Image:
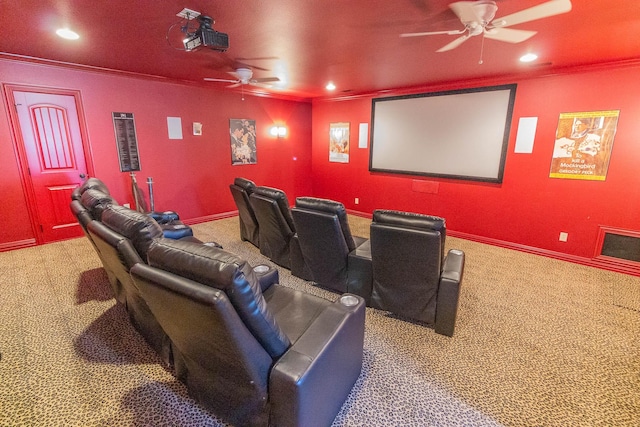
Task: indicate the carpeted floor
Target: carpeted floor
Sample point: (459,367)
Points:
(539,342)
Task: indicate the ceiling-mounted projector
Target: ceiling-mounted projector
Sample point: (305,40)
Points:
(206,36)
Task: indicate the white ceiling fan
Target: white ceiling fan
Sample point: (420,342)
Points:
(244,76)
(478,19)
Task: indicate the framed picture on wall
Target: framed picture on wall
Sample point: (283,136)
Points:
(339,142)
(583,145)
(243,141)
(126,141)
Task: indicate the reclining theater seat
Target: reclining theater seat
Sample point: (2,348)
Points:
(92,182)
(123,238)
(325,239)
(411,277)
(95,202)
(279,357)
(241,189)
(171,226)
(276,226)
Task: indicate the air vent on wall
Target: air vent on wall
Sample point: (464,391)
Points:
(618,246)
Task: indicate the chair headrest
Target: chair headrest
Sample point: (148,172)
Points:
(323,205)
(245,184)
(217,268)
(271,193)
(281,200)
(409,219)
(96,201)
(94,183)
(139,228)
(209,265)
(331,207)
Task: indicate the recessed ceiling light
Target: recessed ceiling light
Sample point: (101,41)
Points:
(330,86)
(66,33)
(529,57)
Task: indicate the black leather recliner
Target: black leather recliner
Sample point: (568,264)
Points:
(100,196)
(84,216)
(123,237)
(241,189)
(96,201)
(276,226)
(325,239)
(91,182)
(279,357)
(411,275)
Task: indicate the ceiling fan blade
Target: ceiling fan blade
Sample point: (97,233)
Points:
(544,10)
(242,62)
(259,84)
(465,11)
(209,79)
(258,58)
(509,35)
(265,80)
(454,44)
(253,67)
(432,33)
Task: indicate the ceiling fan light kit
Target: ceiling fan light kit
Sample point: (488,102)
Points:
(244,76)
(477,17)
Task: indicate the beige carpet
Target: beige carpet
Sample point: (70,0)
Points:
(539,342)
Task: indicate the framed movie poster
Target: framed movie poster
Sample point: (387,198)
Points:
(243,141)
(339,142)
(583,145)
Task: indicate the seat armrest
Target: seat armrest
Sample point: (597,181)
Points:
(311,381)
(359,241)
(360,269)
(266,276)
(299,267)
(449,292)
(196,240)
(128,254)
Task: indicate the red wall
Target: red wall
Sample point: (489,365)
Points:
(191,175)
(528,209)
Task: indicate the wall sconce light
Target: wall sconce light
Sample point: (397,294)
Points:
(279,131)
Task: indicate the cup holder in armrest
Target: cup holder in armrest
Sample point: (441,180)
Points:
(266,275)
(348,300)
(261,269)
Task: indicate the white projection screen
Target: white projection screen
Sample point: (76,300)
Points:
(460,134)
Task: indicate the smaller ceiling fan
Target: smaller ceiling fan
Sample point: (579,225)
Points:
(244,76)
(477,18)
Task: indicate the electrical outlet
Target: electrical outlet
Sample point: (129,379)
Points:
(357,201)
(563,236)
